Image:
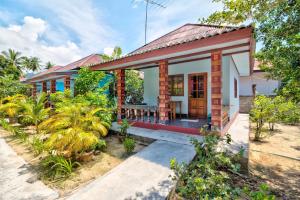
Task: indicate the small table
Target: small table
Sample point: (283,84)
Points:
(175,103)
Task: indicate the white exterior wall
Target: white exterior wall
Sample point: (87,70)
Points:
(151,81)
(234,103)
(263,85)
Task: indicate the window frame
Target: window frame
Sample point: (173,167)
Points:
(171,79)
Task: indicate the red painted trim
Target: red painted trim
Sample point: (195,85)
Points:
(218,39)
(192,131)
(50,76)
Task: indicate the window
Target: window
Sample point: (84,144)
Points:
(235,88)
(176,85)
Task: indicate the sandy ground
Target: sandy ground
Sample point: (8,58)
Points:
(87,172)
(275,159)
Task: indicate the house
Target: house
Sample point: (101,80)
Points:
(59,78)
(256,83)
(191,77)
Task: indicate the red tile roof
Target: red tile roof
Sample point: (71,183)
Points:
(88,60)
(185,33)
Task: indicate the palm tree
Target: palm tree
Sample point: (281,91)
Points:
(117,52)
(35,111)
(74,128)
(13,57)
(31,63)
(48,65)
(11,106)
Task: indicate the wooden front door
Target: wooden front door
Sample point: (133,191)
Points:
(198,95)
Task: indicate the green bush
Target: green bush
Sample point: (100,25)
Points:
(289,112)
(263,193)
(57,167)
(129,145)
(208,175)
(124,127)
(15,131)
(100,145)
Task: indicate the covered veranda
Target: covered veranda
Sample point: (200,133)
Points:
(211,59)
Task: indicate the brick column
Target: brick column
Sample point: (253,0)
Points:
(216,89)
(53,86)
(164,97)
(34,89)
(67,83)
(44,86)
(120,91)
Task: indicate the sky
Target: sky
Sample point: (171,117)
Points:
(63,31)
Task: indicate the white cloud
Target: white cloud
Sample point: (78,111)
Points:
(108,50)
(84,20)
(26,38)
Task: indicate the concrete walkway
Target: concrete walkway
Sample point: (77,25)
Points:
(239,132)
(17,181)
(145,175)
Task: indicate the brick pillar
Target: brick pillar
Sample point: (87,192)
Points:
(44,86)
(53,86)
(34,89)
(120,91)
(216,89)
(67,83)
(164,97)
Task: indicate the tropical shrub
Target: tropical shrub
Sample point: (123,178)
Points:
(15,131)
(9,86)
(262,110)
(100,145)
(87,80)
(123,128)
(134,87)
(289,112)
(34,110)
(37,145)
(129,145)
(11,106)
(57,167)
(74,129)
(263,193)
(208,176)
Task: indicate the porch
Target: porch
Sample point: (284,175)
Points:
(190,66)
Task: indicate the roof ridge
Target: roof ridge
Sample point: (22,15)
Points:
(213,25)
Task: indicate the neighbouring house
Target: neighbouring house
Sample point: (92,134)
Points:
(256,83)
(191,77)
(59,78)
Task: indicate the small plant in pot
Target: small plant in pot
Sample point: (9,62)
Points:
(123,130)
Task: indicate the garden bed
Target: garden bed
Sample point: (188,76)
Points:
(277,159)
(101,163)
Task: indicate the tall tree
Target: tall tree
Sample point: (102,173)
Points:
(13,57)
(31,63)
(49,65)
(278,29)
(117,52)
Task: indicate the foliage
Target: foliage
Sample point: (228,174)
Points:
(37,145)
(87,81)
(57,167)
(74,128)
(9,86)
(49,65)
(129,145)
(208,175)
(117,52)
(262,194)
(273,110)
(35,111)
(278,30)
(11,106)
(123,128)
(100,145)
(14,63)
(134,87)
(16,131)
(31,63)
